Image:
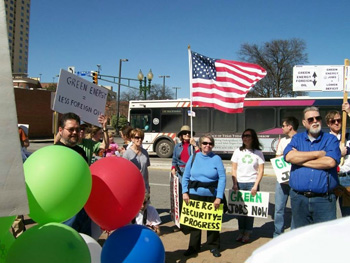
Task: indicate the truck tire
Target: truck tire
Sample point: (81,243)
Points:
(164,148)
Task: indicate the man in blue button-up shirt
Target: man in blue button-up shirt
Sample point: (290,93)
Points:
(314,156)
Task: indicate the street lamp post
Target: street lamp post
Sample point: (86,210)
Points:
(164,76)
(118,99)
(144,87)
(176,88)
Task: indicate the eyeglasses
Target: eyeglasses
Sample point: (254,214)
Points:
(138,138)
(246,135)
(335,120)
(208,143)
(313,119)
(71,130)
(187,133)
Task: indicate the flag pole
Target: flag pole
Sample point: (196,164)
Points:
(190,73)
(345,99)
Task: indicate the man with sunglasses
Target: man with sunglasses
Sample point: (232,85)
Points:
(314,156)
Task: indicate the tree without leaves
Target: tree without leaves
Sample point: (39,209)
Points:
(278,58)
(155,94)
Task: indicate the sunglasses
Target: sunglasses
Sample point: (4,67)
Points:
(208,143)
(312,119)
(71,130)
(246,135)
(138,138)
(335,120)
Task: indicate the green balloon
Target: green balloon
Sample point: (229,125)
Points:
(58,183)
(53,242)
(5,243)
(5,224)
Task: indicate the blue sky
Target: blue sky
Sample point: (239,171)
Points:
(155,34)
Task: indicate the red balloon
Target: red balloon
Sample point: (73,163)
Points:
(117,194)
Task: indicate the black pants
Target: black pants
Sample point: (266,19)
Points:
(213,237)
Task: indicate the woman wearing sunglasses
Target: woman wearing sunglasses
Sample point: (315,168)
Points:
(139,156)
(181,154)
(204,179)
(247,171)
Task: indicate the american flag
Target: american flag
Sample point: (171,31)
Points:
(222,84)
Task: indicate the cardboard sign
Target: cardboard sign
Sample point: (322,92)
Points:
(243,203)
(281,168)
(75,94)
(318,78)
(201,215)
(174,200)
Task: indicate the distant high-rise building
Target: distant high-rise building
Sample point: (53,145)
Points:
(17,15)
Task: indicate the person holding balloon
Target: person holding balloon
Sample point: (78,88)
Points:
(139,156)
(68,130)
(204,179)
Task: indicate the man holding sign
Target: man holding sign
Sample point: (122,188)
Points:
(314,156)
(289,127)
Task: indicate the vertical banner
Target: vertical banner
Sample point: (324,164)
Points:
(201,215)
(243,203)
(174,200)
(281,168)
(13,195)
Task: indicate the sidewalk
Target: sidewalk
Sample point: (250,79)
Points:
(176,243)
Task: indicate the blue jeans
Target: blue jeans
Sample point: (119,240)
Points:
(81,222)
(281,198)
(307,211)
(345,210)
(245,223)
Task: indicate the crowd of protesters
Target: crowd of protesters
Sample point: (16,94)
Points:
(319,176)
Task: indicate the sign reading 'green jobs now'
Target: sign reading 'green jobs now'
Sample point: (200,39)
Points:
(245,204)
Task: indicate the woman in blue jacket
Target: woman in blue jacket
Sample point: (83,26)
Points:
(204,179)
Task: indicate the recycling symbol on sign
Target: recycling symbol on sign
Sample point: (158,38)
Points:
(247,159)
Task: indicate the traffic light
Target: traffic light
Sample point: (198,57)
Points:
(95,77)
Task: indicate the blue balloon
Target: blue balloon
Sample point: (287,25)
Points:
(133,243)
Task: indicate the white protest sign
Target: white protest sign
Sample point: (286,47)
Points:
(174,200)
(75,94)
(243,203)
(281,168)
(13,194)
(318,78)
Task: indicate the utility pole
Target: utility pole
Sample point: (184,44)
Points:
(164,76)
(176,88)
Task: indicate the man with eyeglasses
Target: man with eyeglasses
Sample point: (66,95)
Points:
(289,128)
(314,156)
(69,129)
